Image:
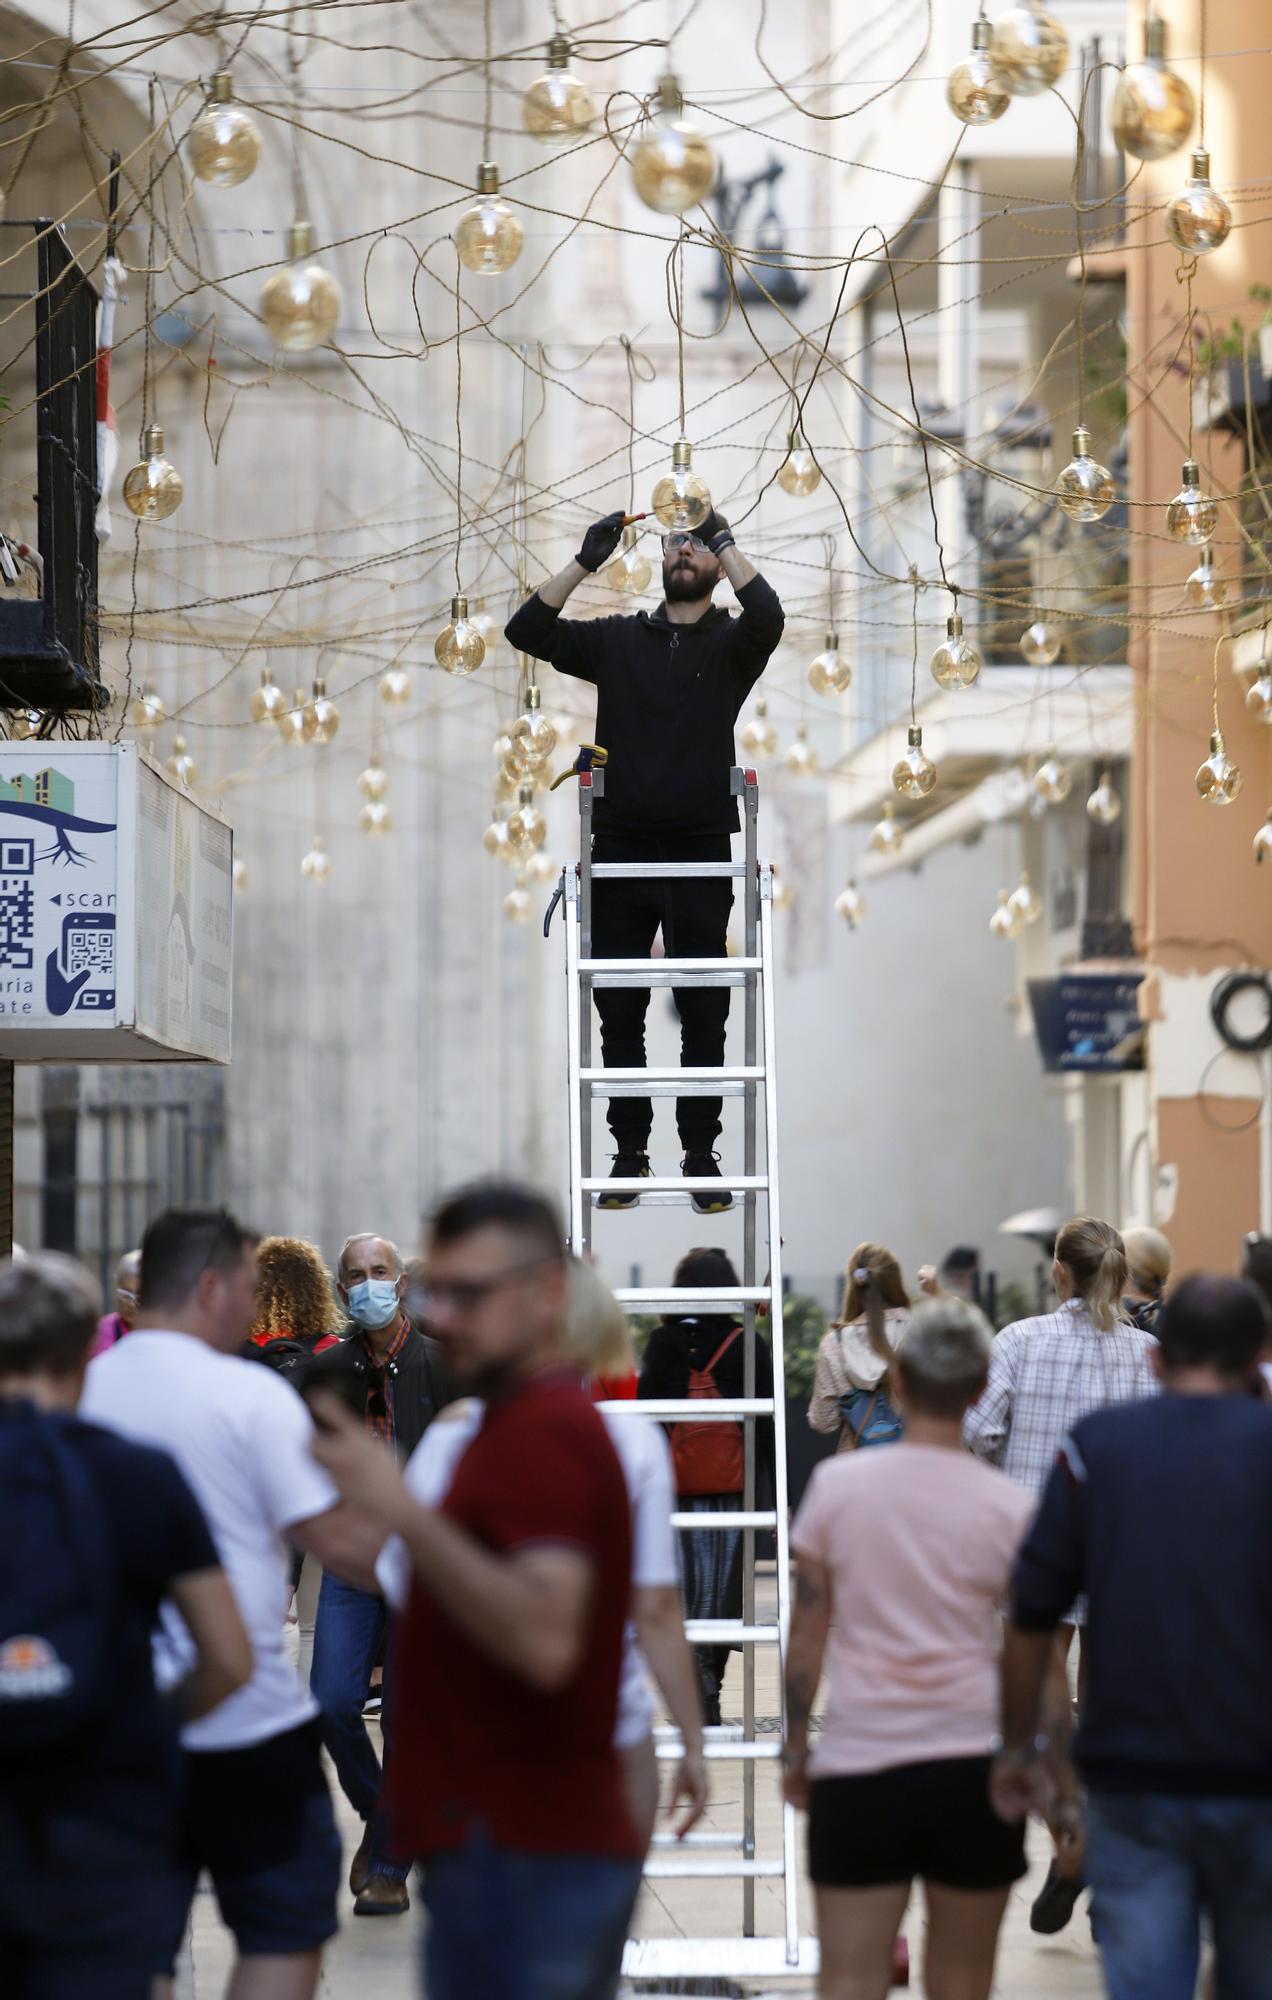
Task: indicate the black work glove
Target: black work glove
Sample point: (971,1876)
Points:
(600,542)
(716,532)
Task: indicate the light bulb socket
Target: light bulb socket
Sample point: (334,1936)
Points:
(682,454)
(1154,38)
(1082,442)
(178,746)
(222,91)
(1192,472)
(793,440)
(1216,743)
(982,33)
(629,537)
(459,608)
(320,688)
(914,737)
(832,642)
(487,178)
(526,795)
(558,53)
(761,708)
(534,700)
(1201,164)
(153,441)
(954,625)
(670,95)
(302,238)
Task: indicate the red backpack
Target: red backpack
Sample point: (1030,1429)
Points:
(708,1457)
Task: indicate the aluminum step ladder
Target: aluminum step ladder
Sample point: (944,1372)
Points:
(704,1855)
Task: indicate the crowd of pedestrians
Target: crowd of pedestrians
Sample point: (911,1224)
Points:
(408,1460)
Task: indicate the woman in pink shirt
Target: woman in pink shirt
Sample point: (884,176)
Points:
(903,1558)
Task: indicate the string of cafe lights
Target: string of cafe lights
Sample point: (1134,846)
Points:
(662,143)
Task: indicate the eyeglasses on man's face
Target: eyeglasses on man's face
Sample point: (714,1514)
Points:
(678,543)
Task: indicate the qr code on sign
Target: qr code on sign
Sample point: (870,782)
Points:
(89,950)
(17,904)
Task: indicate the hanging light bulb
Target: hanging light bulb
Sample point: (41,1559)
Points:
(630,571)
(850,904)
(541,868)
(375,817)
(1152,107)
(1005,922)
(1028,50)
(24,723)
(829,672)
(268,700)
(291,723)
(300,304)
(801,759)
(557,105)
(146,710)
(373,783)
(1104,806)
(321,718)
(1218,779)
(495,839)
(181,763)
(886,836)
(759,737)
(532,738)
(914,775)
(1198,219)
(1259,695)
(975,93)
(1085,488)
(316,865)
(527,828)
(518,903)
(488,236)
(800,474)
(1207,586)
(681,500)
(153,489)
(673,165)
(395,687)
(1040,644)
(956,662)
(1052,781)
(459,647)
(238,874)
(1025,900)
(1192,515)
(1263,839)
(223,143)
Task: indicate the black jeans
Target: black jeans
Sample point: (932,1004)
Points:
(694,916)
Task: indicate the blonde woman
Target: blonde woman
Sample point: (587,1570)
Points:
(1148,1262)
(850,1385)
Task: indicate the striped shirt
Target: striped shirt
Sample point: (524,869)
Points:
(1045,1375)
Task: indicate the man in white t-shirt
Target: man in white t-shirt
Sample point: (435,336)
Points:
(256,1812)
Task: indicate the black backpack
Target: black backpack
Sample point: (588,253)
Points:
(57,1585)
(287,1357)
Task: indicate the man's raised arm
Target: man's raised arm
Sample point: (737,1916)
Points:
(535,627)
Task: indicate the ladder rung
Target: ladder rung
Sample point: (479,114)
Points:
(726,1082)
(708,1409)
(708,1867)
(665,1200)
(729,1632)
(766,1752)
(623,972)
(664,871)
(693,1298)
(690,1840)
(696,1521)
(674,1183)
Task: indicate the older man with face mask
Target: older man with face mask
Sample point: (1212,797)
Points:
(392,1377)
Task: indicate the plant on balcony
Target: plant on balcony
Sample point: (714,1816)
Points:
(1235,363)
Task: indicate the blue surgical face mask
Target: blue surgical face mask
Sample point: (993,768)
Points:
(373,1302)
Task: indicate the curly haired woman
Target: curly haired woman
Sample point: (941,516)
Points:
(296,1310)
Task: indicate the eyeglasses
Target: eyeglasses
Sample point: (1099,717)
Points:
(673,543)
(464,1295)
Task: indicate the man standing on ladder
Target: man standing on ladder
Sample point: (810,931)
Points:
(669,686)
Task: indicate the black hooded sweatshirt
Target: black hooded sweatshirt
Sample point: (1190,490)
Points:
(667,699)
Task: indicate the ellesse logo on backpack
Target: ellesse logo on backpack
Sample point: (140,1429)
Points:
(30,1670)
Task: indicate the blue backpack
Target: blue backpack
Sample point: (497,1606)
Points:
(56,1586)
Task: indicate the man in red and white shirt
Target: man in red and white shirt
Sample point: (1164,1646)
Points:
(505,1782)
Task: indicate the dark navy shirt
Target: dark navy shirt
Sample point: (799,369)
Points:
(1161,1512)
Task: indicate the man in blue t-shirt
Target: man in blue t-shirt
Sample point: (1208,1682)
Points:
(1159,1512)
(87,1822)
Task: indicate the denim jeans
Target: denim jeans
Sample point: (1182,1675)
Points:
(1155,1864)
(348,1632)
(512,1926)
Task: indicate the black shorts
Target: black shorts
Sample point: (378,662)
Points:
(929,1820)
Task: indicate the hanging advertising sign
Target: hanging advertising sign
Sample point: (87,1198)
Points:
(115,910)
(1089,1022)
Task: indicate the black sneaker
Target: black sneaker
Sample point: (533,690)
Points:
(696,1167)
(1054,1904)
(626,1167)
